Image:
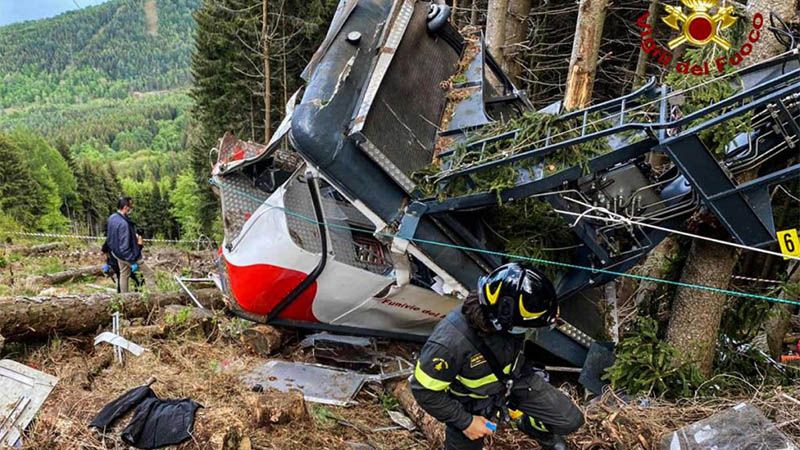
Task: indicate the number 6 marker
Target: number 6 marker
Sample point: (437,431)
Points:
(789,243)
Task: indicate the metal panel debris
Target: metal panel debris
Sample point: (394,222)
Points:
(23,390)
(318,383)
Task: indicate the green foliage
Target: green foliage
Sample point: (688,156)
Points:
(186,204)
(389,402)
(646,364)
(322,416)
(747,366)
(743,318)
(75,57)
(179,318)
(21,198)
(529,227)
(97,123)
(227,67)
(703,94)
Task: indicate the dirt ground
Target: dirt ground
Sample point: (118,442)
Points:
(207,367)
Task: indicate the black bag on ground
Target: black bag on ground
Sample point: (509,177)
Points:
(156,423)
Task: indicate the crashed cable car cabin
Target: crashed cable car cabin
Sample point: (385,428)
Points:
(326,228)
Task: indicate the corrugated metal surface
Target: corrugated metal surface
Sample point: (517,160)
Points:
(402,121)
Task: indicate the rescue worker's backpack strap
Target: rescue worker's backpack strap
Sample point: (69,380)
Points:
(483,349)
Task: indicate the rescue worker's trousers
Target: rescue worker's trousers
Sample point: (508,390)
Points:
(125,274)
(546,410)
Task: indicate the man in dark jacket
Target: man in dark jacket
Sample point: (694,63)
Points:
(455,381)
(126,245)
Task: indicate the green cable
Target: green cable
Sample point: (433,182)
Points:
(520,257)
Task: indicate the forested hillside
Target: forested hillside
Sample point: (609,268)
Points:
(94,105)
(105,51)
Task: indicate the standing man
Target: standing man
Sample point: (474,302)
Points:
(126,245)
(472,372)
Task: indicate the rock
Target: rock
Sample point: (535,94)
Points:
(274,407)
(263,340)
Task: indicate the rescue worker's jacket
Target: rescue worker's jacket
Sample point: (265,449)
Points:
(452,373)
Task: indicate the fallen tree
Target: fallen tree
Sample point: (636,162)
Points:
(37,317)
(67,275)
(432,428)
(35,249)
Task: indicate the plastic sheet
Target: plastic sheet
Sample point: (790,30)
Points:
(742,427)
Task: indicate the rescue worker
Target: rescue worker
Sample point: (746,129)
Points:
(456,377)
(126,244)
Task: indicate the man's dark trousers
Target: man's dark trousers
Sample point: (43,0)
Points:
(537,399)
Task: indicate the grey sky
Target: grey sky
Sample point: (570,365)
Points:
(12,11)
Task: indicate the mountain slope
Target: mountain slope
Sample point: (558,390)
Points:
(105,51)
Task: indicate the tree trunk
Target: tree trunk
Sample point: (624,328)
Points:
(35,249)
(694,325)
(38,317)
(641,63)
(585,50)
(432,428)
(516,35)
(267,78)
(496,15)
(696,314)
(768,46)
(777,325)
(65,276)
(656,265)
(473,14)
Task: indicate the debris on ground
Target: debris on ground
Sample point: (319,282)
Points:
(742,426)
(23,390)
(208,356)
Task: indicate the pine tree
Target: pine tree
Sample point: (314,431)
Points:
(20,196)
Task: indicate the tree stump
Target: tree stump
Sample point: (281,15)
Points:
(263,340)
(274,407)
(191,320)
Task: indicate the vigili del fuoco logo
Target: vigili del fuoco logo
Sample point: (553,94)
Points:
(702,23)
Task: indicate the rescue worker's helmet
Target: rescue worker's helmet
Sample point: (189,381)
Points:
(514,296)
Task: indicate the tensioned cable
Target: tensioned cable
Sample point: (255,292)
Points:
(312,220)
(618,218)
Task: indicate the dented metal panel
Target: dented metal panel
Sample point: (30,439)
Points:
(23,390)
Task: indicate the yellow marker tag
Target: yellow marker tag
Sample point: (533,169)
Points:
(789,242)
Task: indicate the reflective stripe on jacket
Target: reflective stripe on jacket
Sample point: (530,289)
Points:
(451,371)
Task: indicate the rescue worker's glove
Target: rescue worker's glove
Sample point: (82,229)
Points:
(106,269)
(134,267)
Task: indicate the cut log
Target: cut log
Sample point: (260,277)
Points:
(65,276)
(263,340)
(432,428)
(274,407)
(38,317)
(36,249)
